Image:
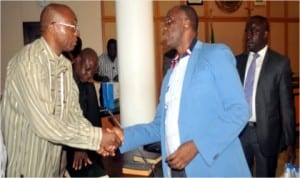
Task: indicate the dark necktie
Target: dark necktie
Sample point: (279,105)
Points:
(249,82)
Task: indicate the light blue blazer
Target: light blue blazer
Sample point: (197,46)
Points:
(213,111)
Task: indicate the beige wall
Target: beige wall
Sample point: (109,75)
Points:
(13,13)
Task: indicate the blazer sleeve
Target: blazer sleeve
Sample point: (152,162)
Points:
(286,103)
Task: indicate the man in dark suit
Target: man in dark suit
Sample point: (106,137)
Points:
(271,124)
(80,162)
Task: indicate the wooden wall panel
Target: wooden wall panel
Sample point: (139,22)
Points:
(109,9)
(109,31)
(277,37)
(241,12)
(293,9)
(259,9)
(293,46)
(164,6)
(224,33)
(276,9)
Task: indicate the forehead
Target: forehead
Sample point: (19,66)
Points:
(255,22)
(66,15)
(89,58)
(174,12)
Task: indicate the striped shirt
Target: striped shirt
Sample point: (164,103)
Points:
(107,67)
(40,111)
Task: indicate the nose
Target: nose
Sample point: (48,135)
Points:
(248,35)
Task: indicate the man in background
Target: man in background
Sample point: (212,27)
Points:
(80,162)
(40,111)
(108,64)
(266,76)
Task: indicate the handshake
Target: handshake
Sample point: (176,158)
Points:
(111,139)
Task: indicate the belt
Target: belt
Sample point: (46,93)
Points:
(252,124)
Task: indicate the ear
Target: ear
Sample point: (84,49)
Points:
(186,23)
(266,34)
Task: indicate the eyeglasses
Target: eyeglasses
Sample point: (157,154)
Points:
(74,28)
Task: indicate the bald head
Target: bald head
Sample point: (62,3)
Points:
(190,14)
(86,65)
(59,27)
(52,13)
(89,54)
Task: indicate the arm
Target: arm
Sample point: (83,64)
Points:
(37,101)
(230,106)
(287,109)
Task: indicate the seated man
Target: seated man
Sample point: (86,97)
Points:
(85,163)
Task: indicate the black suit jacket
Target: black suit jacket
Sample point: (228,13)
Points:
(275,114)
(91,110)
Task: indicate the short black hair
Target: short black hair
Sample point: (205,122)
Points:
(191,14)
(262,20)
(111,41)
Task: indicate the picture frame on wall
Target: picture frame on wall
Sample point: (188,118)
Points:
(260,2)
(194,2)
(31,31)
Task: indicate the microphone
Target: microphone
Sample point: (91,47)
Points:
(113,120)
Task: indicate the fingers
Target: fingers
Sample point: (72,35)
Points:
(80,159)
(88,161)
(105,152)
(118,131)
(180,158)
(111,140)
(116,135)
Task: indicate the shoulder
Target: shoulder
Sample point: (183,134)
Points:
(242,55)
(208,49)
(103,56)
(215,53)
(276,55)
(30,54)
(276,59)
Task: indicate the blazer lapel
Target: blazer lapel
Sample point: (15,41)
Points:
(241,65)
(266,66)
(190,66)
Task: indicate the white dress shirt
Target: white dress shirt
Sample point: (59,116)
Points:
(172,100)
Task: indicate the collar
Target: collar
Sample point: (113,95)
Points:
(187,52)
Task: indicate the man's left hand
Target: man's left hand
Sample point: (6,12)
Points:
(81,159)
(180,158)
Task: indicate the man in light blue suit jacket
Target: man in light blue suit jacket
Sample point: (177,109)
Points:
(207,111)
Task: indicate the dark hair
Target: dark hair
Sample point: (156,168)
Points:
(111,41)
(262,20)
(191,14)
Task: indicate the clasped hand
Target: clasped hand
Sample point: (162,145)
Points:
(111,140)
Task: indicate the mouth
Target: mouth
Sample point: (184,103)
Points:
(250,44)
